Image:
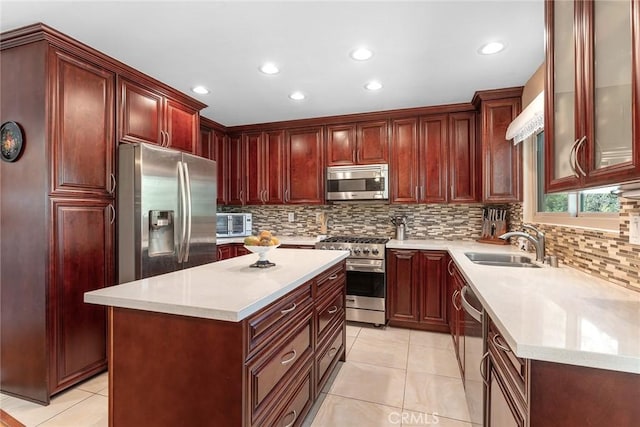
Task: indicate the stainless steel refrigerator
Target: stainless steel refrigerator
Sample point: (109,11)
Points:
(166,211)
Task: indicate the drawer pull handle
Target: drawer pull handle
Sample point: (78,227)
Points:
(483,368)
(295,417)
(289,360)
(334,350)
(453,300)
(333,277)
(333,309)
(499,345)
(449,267)
(288,310)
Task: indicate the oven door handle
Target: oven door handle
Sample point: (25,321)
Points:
(477,315)
(365,268)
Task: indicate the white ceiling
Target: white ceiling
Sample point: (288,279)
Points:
(425,52)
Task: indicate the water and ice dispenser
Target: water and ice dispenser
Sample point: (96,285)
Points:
(161,233)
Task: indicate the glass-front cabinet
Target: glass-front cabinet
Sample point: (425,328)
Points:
(592,97)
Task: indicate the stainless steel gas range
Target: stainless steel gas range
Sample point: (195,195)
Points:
(366,276)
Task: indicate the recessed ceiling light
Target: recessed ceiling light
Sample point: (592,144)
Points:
(373,85)
(269,68)
(200,90)
(361,54)
(297,96)
(491,48)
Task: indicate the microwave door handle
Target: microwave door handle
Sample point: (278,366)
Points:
(183,211)
(188,205)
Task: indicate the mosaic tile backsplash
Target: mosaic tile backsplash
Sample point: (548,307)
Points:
(605,255)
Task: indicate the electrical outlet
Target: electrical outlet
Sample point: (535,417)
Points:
(634,229)
(291,217)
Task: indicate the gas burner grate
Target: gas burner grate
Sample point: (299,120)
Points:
(351,239)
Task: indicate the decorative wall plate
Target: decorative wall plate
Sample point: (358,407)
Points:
(10,141)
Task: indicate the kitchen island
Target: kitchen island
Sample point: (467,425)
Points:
(225,344)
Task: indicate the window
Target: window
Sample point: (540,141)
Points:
(593,208)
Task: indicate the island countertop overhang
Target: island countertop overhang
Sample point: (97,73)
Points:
(226,290)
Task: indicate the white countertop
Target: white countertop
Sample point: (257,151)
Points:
(224,290)
(552,314)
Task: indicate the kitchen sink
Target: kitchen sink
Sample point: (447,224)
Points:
(501,260)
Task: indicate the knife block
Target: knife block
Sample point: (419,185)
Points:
(494,224)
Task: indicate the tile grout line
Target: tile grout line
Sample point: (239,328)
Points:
(65,410)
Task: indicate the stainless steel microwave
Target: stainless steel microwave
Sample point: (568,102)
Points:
(362,182)
(233,224)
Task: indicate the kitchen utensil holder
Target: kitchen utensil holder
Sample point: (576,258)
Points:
(494,224)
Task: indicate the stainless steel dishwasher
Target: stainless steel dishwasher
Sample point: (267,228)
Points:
(473,352)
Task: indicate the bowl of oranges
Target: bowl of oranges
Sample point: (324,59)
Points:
(261,244)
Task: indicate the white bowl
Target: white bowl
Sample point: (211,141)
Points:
(261,250)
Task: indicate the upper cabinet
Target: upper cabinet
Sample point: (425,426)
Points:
(214,145)
(304,166)
(501,159)
(358,144)
(146,115)
(592,113)
(264,167)
(433,159)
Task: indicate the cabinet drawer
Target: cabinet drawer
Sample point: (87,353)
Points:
(298,403)
(511,367)
(325,280)
(329,310)
(328,357)
(267,373)
(267,323)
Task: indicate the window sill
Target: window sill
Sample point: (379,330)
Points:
(605,223)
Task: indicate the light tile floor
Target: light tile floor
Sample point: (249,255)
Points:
(392,377)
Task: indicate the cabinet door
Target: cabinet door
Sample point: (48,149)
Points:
(341,145)
(402,285)
(253,167)
(463,177)
(236,171)
(404,161)
(433,286)
(141,114)
(434,159)
(224,252)
(82,253)
(372,143)
(83,113)
(273,159)
(501,159)
(500,409)
(206,143)
(611,154)
(304,160)
(220,151)
(182,126)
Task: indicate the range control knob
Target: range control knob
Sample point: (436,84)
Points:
(375,251)
(356,251)
(365,250)
(332,248)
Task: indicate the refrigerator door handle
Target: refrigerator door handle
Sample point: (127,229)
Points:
(188,206)
(183,211)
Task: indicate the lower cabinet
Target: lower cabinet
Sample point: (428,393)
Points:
(532,393)
(230,250)
(266,370)
(456,312)
(417,285)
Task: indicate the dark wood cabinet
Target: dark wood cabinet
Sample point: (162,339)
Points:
(146,115)
(433,159)
(230,250)
(417,286)
(57,212)
(266,370)
(83,143)
(358,144)
(264,167)
(456,312)
(214,145)
(304,166)
(83,260)
(501,159)
(463,168)
(405,166)
(237,176)
(592,117)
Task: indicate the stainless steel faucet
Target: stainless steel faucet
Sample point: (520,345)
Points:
(538,240)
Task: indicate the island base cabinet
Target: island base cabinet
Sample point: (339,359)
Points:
(170,370)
